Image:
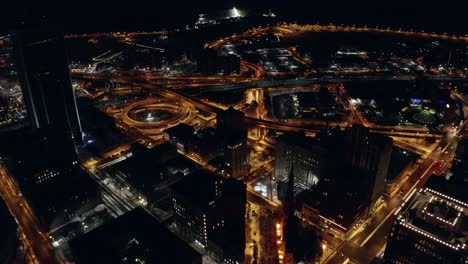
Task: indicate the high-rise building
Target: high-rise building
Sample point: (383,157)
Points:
(349,168)
(308,155)
(50,176)
(44,75)
(236,158)
(301,243)
(232,131)
(430,228)
(210,210)
(369,154)
(44,158)
(230,123)
(229,242)
(148,170)
(183,136)
(338,204)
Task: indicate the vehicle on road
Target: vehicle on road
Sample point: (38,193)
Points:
(439,165)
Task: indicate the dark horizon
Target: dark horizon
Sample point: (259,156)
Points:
(89,16)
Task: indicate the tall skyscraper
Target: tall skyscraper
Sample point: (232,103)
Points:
(369,154)
(430,228)
(300,242)
(236,158)
(230,123)
(44,75)
(232,131)
(44,157)
(210,210)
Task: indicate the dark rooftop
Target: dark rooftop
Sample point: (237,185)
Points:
(160,154)
(149,167)
(340,204)
(182,131)
(198,187)
(342,198)
(135,237)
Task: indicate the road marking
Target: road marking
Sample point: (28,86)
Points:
(346,261)
(377,228)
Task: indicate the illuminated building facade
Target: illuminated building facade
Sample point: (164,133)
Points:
(430,228)
(236,159)
(308,157)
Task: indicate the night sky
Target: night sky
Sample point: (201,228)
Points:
(104,15)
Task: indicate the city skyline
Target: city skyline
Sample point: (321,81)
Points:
(234,133)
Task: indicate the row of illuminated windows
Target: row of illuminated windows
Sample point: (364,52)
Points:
(45,175)
(425,250)
(426,243)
